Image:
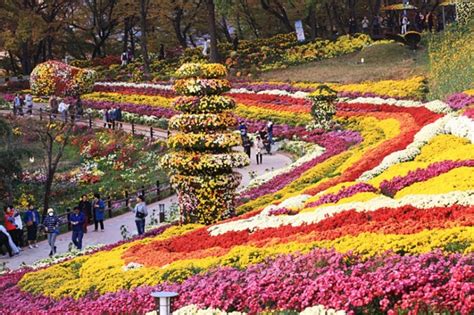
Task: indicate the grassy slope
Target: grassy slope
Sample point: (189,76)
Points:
(388,61)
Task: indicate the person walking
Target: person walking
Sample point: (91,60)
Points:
(247,144)
(53,106)
(124,59)
(77,220)
(270,131)
(32,219)
(404,23)
(118,116)
(105,117)
(7,242)
(11,225)
(112,118)
(63,109)
(99,212)
(51,226)
(258,149)
(29,104)
(16,104)
(365,25)
(86,208)
(141,212)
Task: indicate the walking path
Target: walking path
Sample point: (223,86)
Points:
(112,226)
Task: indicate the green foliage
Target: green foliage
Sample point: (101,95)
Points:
(451,60)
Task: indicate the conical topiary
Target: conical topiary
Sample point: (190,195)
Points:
(201,158)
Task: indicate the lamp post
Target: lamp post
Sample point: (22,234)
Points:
(163,301)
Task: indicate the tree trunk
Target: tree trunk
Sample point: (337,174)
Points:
(214,56)
(126,31)
(312,23)
(144,39)
(279,13)
(25,59)
(225,30)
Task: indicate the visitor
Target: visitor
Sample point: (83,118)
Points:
(32,219)
(130,56)
(430,21)
(270,131)
(17,105)
(352,26)
(112,118)
(118,116)
(124,59)
(105,116)
(243,130)
(99,212)
(29,104)
(376,25)
(85,206)
(79,108)
(235,43)
(51,227)
(63,109)
(141,212)
(77,220)
(247,144)
(53,106)
(419,22)
(7,242)
(161,55)
(404,23)
(365,25)
(259,146)
(12,218)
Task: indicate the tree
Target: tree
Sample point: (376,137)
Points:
(144,6)
(211,11)
(10,155)
(276,8)
(53,137)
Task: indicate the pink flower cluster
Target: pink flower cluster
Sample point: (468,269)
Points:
(343,193)
(459,100)
(283,211)
(430,282)
(392,186)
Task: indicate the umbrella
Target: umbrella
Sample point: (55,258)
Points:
(399,7)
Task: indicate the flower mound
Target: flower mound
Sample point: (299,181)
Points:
(202,159)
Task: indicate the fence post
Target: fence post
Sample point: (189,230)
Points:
(162,212)
(133,128)
(41,113)
(151,132)
(109,205)
(90,121)
(168,133)
(126,198)
(158,189)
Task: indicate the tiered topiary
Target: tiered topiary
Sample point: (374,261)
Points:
(201,158)
(323,108)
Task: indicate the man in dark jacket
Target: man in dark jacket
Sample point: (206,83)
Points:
(77,220)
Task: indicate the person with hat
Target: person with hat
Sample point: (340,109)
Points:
(51,226)
(77,220)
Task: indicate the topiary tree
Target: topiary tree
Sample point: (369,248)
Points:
(201,160)
(60,79)
(323,108)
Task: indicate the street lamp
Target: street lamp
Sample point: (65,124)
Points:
(163,301)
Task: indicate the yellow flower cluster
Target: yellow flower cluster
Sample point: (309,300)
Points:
(206,70)
(204,141)
(138,99)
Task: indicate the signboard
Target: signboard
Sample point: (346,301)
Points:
(299,31)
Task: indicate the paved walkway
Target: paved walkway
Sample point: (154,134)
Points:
(112,226)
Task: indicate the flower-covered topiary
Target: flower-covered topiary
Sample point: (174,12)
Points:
(323,108)
(57,78)
(201,158)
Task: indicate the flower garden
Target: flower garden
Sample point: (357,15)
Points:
(376,217)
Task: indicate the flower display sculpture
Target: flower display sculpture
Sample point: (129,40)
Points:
(201,160)
(57,78)
(323,108)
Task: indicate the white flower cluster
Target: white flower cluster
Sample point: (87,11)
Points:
(293,203)
(195,310)
(131,266)
(315,152)
(136,85)
(434,106)
(460,126)
(262,221)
